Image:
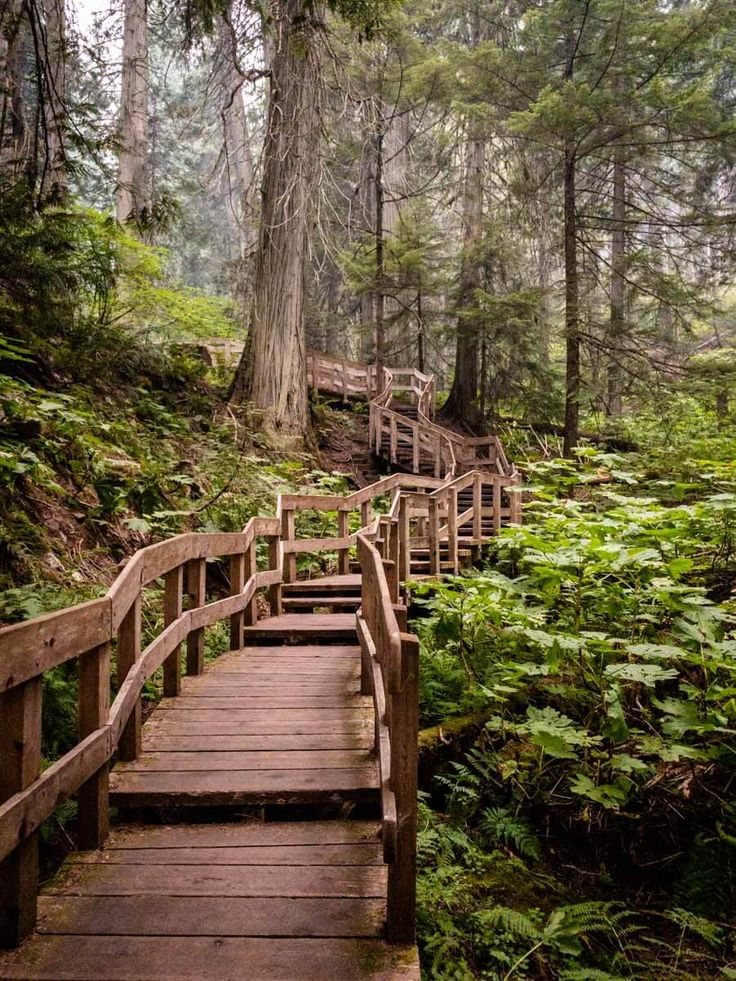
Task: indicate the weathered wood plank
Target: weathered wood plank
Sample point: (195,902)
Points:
(71,958)
(244,833)
(232,761)
(210,916)
(241,786)
(222,880)
(280,854)
(188,743)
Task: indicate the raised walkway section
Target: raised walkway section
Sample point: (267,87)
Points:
(266,824)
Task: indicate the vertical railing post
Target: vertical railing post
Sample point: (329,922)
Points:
(394,439)
(477,509)
(93,812)
(250,613)
(20,765)
(401,904)
(196,593)
(173,584)
(274,592)
(434,537)
(127,653)
(452,529)
(497,497)
(515,517)
(392,531)
(404,550)
(237,581)
(343,554)
(415,449)
(288,532)
(437,456)
(365,514)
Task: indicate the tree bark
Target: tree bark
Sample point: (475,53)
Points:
(572,317)
(236,137)
(379,331)
(272,372)
(617,324)
(54,182)
(462,402)
(14,143)
(133,202)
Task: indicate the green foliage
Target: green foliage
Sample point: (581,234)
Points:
(593,645)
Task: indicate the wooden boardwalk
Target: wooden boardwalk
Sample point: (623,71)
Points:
(267,808)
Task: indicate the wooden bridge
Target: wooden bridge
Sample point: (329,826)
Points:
(267,807)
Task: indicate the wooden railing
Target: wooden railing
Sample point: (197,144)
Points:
(88,633)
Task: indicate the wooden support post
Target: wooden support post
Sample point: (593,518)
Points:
(343,555)
(496,507)
(477,509)
(365,514)
(516,515)
(394,437)
(237,581)
(173,584)
(20,765)
(404,552)
(287,535)
(128,652)
(93,811)
(452,529)
(401,905)
(196,591)
(250,614)
(415,449)
(434,538)
(274,592)
(379,432)
(392,531)
(438,457)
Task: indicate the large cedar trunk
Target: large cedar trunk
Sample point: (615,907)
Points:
(572,314)
(132,194)
(462,402)
(236,138)
(272,371)
(54,172)
(14,142)
(617,326)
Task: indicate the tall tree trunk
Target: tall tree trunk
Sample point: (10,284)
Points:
(617,325)
(133,203)
(572,315)
(379,332)
(462,402)
(237,142)
(54,181)
(272,372)
(14,141)
(366,227)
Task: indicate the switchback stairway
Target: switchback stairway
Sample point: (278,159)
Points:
(266,810)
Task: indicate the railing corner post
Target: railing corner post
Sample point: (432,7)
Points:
(93,816)
(401,905)
(20,765)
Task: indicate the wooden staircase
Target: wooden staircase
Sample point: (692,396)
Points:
(267,807)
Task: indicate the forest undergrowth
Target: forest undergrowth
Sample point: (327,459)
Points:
(580,824)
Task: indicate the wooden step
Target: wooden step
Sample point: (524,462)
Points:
(314,600)
(323,627)
(344,585)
